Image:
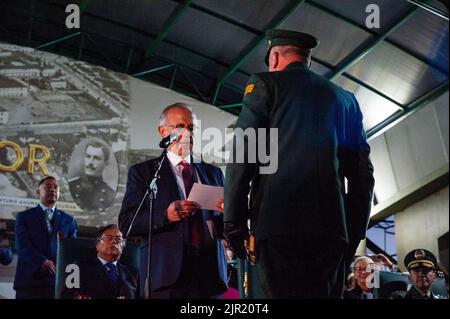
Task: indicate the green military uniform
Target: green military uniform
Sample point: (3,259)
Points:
(301,216)
(418,258)
(413,293)
(91,193)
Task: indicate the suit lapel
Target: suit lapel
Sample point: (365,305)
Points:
(201,173)
(41,218)
(101,271)
(122,280)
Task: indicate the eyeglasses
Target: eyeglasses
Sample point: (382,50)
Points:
(364,269)
(108,239)
(190,128)
(360,269)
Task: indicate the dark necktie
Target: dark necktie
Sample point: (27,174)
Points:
(48,219)
(112,272)
(195,221)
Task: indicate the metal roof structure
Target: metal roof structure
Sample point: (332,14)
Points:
(207,49)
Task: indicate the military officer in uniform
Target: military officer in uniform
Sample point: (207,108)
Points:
(422,266)
(89,190)
(305,223)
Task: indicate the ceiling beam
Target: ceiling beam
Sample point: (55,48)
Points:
(168,25)
(368,46)
(224,18)
(430,8)
(326,64)
(84,5)
(62,39)
(192,84)
(360,82)
(423,59)
(152,70)
(31,19)
(251,48)
(411,108)
(378,250)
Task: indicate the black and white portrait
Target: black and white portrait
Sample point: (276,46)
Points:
(93,175)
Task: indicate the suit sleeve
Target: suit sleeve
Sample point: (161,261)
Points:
(254,114)
(359,173)
(130,203)
(73,229)
(217,216)
(25,247)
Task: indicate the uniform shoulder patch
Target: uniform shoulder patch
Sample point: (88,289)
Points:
(249,89)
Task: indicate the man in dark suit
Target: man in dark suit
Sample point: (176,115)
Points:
(304,220)
(37,230)
(187,256)
(104,277)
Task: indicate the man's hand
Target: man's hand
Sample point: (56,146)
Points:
(48,267)
(82,297)
(235,236)
(180,209)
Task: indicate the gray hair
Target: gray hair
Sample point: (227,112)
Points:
(163,116)
(366,259)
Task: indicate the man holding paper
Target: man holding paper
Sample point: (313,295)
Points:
(187,256)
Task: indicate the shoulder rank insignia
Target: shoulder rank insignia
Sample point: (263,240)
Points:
(249,89)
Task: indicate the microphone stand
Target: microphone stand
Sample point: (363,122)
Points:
(151,192)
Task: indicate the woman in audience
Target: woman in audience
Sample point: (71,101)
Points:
(362,269)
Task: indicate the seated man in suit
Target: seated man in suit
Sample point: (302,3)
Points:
(187,255)
(104,277)
(37,230)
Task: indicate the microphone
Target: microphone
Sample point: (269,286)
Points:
(169,139)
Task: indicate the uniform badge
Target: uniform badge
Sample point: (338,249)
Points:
(249,89)
(419,254)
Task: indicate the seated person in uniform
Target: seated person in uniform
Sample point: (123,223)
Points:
(422,268)
(89,190)
(104,277)
(362,269)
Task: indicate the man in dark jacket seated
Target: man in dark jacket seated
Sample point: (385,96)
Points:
(104,277)
(422,266)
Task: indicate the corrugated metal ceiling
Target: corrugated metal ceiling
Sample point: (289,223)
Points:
(211,47)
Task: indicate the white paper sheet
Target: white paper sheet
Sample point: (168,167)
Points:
(206,196)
